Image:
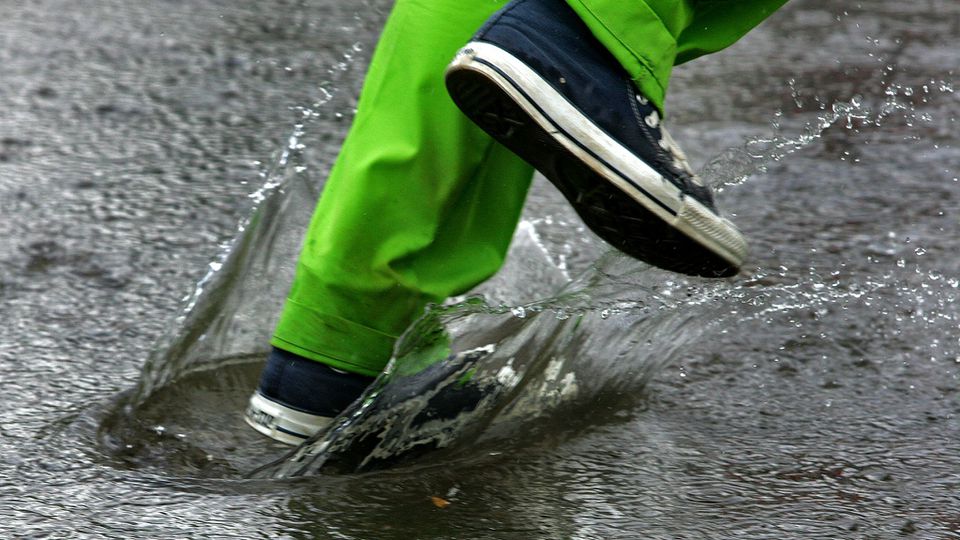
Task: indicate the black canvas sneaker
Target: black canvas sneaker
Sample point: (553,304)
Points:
(298,397)
(540,83)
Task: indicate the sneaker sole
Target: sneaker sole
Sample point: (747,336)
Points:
(655,222)
(282,423)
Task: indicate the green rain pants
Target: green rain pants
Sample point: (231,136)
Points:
(421,204)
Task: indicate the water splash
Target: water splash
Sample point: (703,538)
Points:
(858,113)
(233,308)
(599,334)
(506,368)
(602,338)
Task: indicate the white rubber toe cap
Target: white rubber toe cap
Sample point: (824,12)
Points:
(282,423)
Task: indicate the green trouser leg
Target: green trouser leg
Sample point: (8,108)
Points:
(649,37)
(421,204)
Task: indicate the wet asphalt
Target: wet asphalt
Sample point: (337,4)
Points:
(132,133)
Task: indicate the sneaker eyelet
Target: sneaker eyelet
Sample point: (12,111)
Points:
(653,120)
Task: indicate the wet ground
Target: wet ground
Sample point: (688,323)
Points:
(813,396)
